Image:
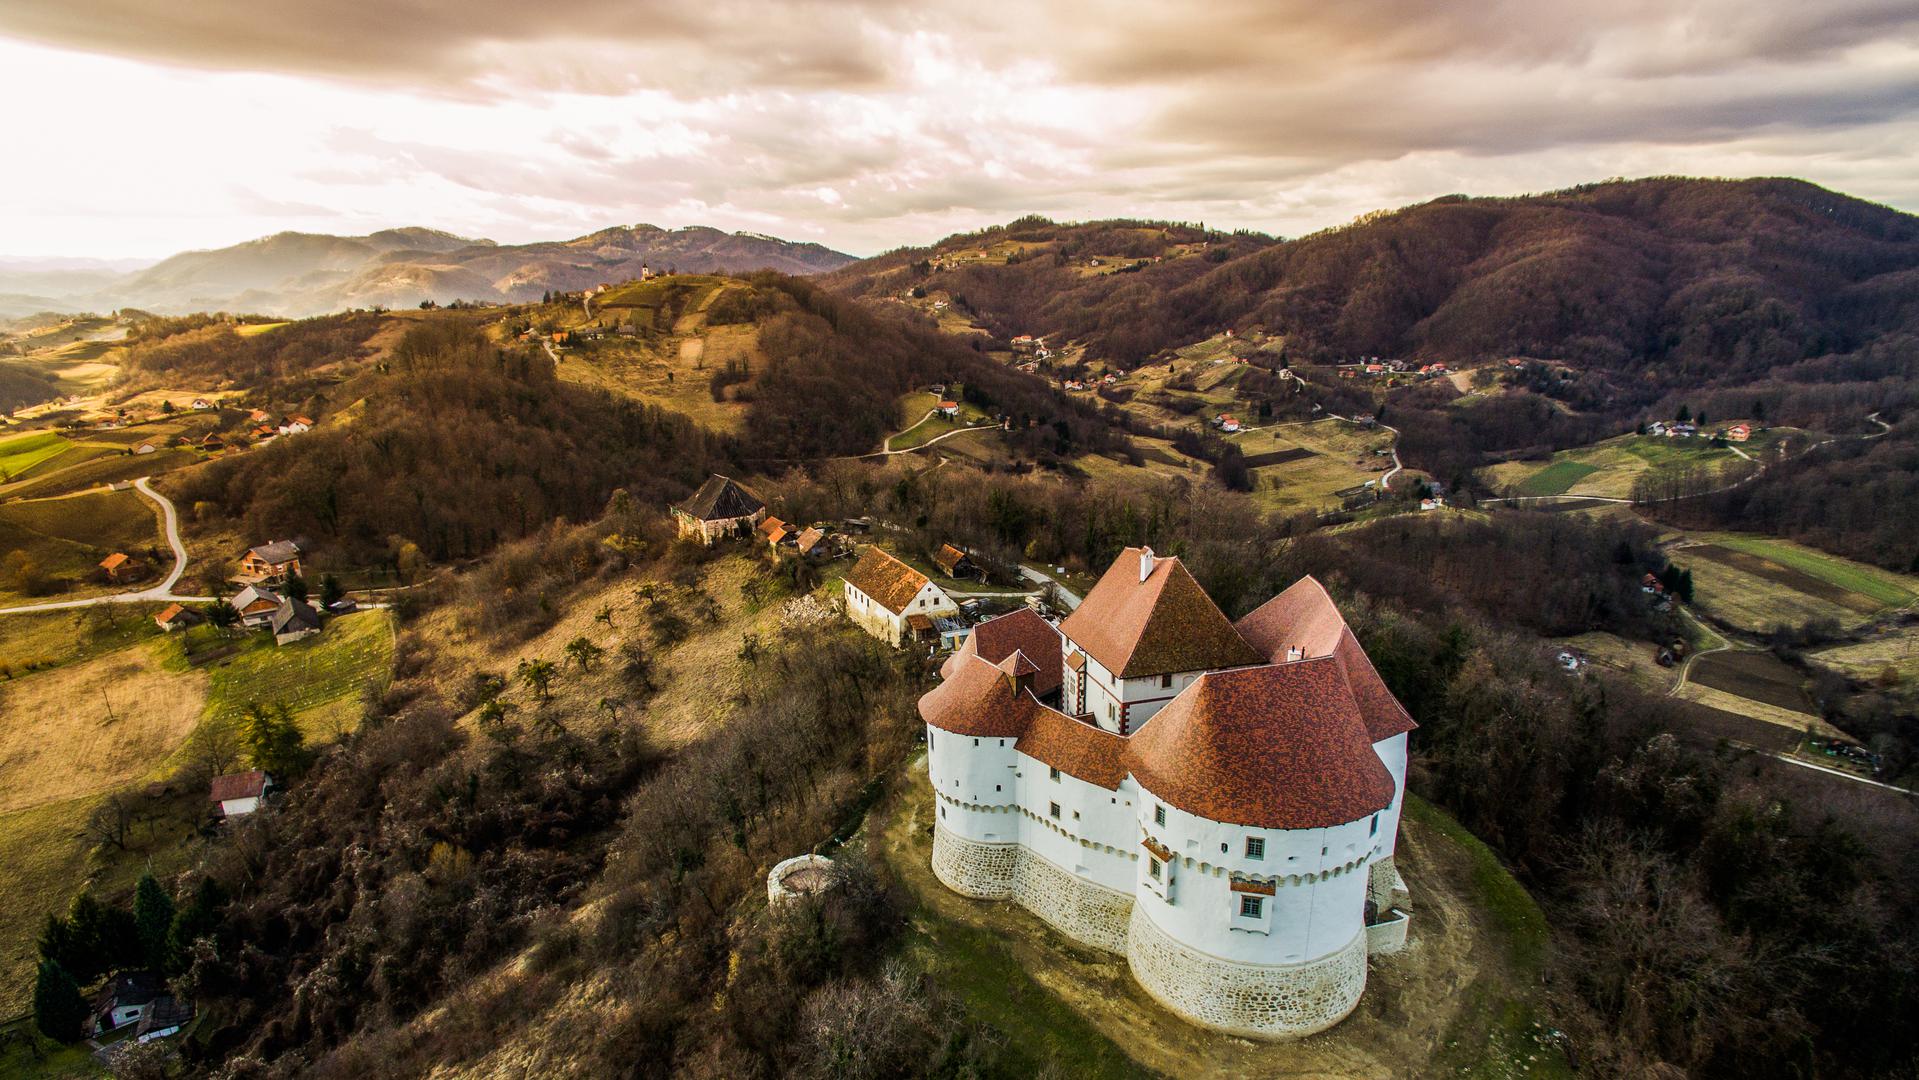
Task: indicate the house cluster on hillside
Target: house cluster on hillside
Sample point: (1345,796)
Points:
(265,603)
(1217,802)
(724,509)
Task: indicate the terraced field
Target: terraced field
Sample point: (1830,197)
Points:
(17,455)
(1755,583)
(1302,466)
(1606,468)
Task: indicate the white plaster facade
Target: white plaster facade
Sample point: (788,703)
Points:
(1260,932)
(888,625)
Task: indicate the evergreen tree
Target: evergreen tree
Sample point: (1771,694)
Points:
(196,919)
(1685,586)
(152,918)
(58,1009)
(331,591)
(102,939)
(1685,414)
(273,740)
(296,587)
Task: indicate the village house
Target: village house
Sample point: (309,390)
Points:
(293,620)
(259,416)
(778,533)
(256,605)
(809,540)
(949,409)
(165,1016)
(721,508)
(891,600)
(296,425)
(145,448)
(1217,802)
(240,793)
(1739,433)
(270,564)
(176,617)
(125,999)
(114,565)
(954,563)
(202,404)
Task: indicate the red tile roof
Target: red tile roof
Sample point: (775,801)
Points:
(1161,625)
(168,614)
(948,558)
(246,785)
(889,582)
(1023,631)
(1304,616)
(1075,748)
(113,561)
(978,700)
(1282,746)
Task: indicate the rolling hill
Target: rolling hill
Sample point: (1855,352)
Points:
(300,274)
(1675,281)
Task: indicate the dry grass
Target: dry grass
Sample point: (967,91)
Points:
(1759,710)
(85,728)
(1343,456)
(1896,649)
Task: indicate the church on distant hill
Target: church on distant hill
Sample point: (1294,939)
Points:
(1216,802)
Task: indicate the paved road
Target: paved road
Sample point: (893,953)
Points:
(1386,481)
(1067,597)
(163,591)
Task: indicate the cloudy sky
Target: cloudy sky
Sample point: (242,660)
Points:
(137,128)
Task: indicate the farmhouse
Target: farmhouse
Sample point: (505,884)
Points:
(293,620)
(721,508)
(776,532)
(953,562)
(202,404)
(240,793)
(114,564)
(809,541)
(256,605)
(125,999)
(949,409)
(1739,432)
(175,617)
(1216,802)
(296,425)
(892,601)
(270,564)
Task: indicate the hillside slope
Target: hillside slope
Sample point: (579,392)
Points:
(304,273)
(1675,279)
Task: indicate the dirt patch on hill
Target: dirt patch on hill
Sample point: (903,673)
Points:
(1278,457)
(1754,675)
(88,727)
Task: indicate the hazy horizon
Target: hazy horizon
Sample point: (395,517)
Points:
(865,128)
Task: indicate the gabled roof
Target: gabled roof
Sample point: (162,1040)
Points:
(113,561)
(247,785)
(948,558)
(1075,748)
(810,539)
(721,498)
(169,613)
(252,595)
(1305,617)
(889,582)
(1025,632)
(1279,746)
(294,615)
(277,552)
(1161,625)
(771,527)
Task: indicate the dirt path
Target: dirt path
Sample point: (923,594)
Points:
(170,520)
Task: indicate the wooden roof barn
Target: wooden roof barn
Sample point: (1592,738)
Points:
(721,508)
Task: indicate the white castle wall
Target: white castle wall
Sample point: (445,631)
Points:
(1393,753)
(1258,1001)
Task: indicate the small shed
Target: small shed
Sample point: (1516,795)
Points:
(240,793)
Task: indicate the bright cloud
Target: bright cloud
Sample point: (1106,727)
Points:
(143,129)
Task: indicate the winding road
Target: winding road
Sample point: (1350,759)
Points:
(170,519)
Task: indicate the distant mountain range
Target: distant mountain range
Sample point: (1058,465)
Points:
(299,274)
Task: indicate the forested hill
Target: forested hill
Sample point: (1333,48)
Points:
(1681,280)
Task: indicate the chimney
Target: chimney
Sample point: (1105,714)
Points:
(1294,652)
(1145,564)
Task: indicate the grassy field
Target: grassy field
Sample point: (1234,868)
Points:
(1896,651)
(1608,468)
(1757,676)
(320,678)
(67,538)
(82,729)
(17,455)
(1755,583)
(1337,456)
(1556,478)
(107,469)
(254,329)
(51,639)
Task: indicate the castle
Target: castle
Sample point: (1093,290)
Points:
(1217,802)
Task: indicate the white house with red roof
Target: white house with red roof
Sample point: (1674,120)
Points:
(1217,802)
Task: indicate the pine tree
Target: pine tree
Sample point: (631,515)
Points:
(273,740)
(152,918)
(196,919)
(58,1009)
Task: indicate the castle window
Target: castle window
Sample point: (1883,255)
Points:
(942,811)
(1052,808)
(1165,681)
(1252,906)
(1152,869)
(929,738)
(995,787)
(1159,815)
(1375,829)
(975,742)
(1054,775)
(1255,847)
